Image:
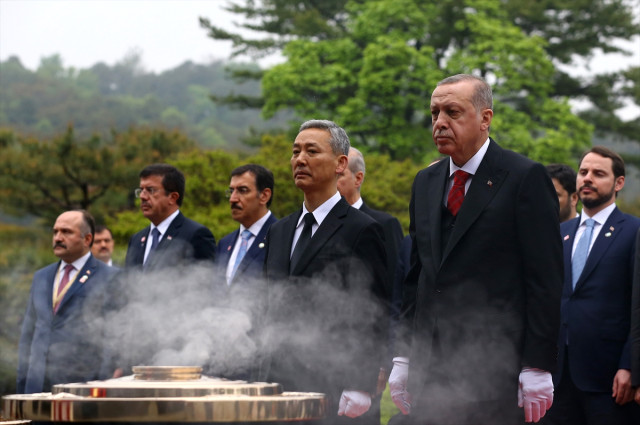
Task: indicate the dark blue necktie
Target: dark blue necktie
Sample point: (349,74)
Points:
(303,240)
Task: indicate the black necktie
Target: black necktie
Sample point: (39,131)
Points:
(303,240)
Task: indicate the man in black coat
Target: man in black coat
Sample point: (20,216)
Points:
(482,298)
(325,268)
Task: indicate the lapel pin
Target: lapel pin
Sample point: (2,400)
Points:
(144,238)
(261,245)
(229,248)
(611,228)
(88,271)
(606,235)
(489,183)
(84,278)
(169,238)
(566,238)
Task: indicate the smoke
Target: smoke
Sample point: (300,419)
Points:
(189,316)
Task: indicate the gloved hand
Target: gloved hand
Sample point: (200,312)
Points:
(535,393)
(398,384)
(353,403)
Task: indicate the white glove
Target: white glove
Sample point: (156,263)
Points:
(354,403)
(398,384)
(535,393)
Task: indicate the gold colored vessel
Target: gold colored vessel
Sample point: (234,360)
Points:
(167,394)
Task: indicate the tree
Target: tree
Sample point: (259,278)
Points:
(573,31)
(375,80)
(44,178)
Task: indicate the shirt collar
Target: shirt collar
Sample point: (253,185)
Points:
(164,225)
(78,264)
(257,226)
(471,166)
(600,217)
(322,211)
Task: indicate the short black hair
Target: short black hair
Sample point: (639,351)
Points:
(101,228)
(263,176)
(565,175)
(172,179)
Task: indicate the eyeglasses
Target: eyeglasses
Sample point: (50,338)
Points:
(150,190)
(242,191)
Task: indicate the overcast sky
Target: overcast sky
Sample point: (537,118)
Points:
(84,32)
(165,32)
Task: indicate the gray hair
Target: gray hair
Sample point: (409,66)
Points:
(339,140)
(357,162)
(482,97)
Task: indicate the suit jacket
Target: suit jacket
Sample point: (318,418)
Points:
(65,347)
(251,266)
(392,239)
(487,303)
(596,315)
(635,319)
(184,240)
(342,270)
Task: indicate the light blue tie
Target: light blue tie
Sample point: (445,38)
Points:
(582,251)
(245,235)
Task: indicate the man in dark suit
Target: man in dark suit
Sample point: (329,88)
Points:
(161,265)
(250,193)
(482,299)
(635,324)
(61,335)
(349,184)
(325,269)
(103,245)
(239,282)
(593,380)
(179,240)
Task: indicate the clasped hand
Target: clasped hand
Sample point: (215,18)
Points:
(535,393)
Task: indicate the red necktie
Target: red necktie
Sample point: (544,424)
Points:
(456,194)
(63,283)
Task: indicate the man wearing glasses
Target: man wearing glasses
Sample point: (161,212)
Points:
(159,282)
(171,239)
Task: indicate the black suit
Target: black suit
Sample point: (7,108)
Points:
(392,239)
(185,240)
(482,297)
(342,270)
(635,319)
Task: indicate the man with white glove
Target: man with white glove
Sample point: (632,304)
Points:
(482,296)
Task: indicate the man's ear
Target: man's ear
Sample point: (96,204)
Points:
(343,161)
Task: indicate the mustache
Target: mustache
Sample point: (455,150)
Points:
(588,186)
(59,244)
(235,206)
(440,133)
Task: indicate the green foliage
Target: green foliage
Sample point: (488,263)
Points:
(46,177)
(94,100)
(375,79)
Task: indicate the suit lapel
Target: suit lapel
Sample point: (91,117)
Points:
(485,184)
(567,247)
(256,247)
(608,233)
(49,281)
(329,226)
